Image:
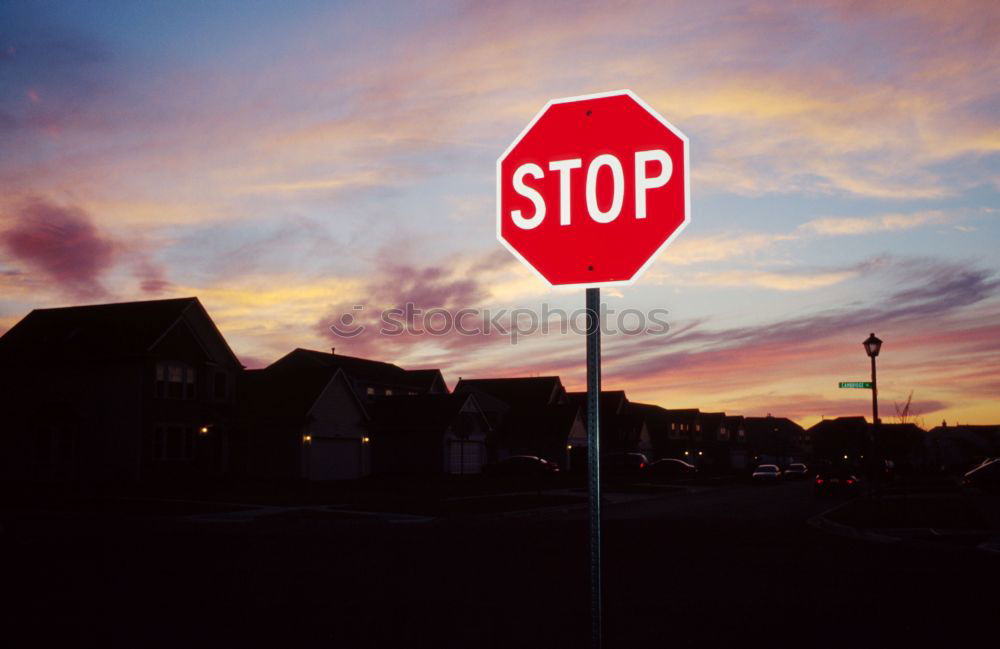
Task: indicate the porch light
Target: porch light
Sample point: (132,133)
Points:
(365,440)
(307,439)
(203,430)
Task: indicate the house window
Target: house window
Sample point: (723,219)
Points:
(370,392)
(175,381)
(388,392)
(173,442)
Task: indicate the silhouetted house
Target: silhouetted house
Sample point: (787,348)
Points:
(772,440)
(528,416)
(304,423)
(369,378)
(733,430)
(714,449)
(545,431)
(656,422)
(530,391)
(428,434)
(956,448)
(635,430)
(118,391)
(905,445)
(679,434)
(841,439)
(621,430)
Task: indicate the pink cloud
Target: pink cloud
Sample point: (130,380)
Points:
(63,244)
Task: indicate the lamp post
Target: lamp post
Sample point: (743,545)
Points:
(872,347)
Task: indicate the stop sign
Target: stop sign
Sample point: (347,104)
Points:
(593,189)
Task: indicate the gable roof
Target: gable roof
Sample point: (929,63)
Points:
(763,427)
(289,392)
(612,402)
(530,391)
(419,412)
(362,369)
(551,421)
(839,424)
(99,331)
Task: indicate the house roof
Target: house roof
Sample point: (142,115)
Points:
(711,420)
(770,424)
(517,392)
(362,369)
(552,421)
(287,391)
(612,401)
(98,331)
(420,412)
(839,424)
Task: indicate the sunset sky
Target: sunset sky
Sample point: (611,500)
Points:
(285,161)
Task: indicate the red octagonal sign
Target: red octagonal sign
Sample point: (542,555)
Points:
(593,189)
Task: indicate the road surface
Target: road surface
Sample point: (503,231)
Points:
(732,566)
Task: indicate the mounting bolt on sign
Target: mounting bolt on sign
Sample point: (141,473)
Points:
(587,195)
(593,189)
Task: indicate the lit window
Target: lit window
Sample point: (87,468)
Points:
(388,392)
(175,381)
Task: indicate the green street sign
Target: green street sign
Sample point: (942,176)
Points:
(856,384)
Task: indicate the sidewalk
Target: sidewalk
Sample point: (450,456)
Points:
(958,519)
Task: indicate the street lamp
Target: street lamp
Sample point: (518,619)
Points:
(872,347)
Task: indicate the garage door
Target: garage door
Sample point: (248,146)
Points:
(334,459)
(465,457)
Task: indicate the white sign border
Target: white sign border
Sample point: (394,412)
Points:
(687,187)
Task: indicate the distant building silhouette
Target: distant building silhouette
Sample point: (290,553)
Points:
(428,434)
(773,440)
(528,416)
(369,378)
(305,423)
(958,447)
(118,391)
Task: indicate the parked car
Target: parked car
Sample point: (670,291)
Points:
(522,465)
(986,476)
(835,481)
(766,473)
(796,470)
(669,469)
(628,466)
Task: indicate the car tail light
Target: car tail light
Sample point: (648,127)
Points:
(642,465)
(849,481)
(819,480)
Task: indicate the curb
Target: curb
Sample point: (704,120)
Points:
(824,524)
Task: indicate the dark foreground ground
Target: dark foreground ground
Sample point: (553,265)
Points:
(724,566)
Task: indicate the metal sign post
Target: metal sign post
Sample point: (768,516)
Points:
(594,457)
(572,229)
